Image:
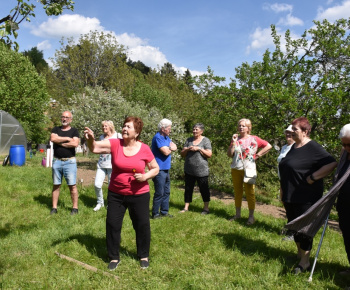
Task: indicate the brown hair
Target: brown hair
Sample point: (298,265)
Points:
(303,124)
(138,124)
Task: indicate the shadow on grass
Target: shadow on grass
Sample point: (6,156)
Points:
(248,246)
(47,200)
(87,200)
(9,227)
(95,245)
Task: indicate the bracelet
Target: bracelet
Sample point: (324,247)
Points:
(312,178)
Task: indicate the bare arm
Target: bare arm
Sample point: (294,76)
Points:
(153,170)
(72,143)
(322,172)
(98,147)
(232,147)
(165,150)
(66,142)
(263,151)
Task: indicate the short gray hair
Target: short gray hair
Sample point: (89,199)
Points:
(164,123)
(345,131)
(199,125)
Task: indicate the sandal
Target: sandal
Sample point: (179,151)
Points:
(205,211)
(300,269)
(234,218)
(250,221)
(183,210)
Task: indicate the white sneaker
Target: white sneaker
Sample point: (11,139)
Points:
(98,207)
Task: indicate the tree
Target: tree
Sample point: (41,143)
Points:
(97,104)
(36,57)
(23,93)
(97,59)
(168,69)
(310,77)
(24,10)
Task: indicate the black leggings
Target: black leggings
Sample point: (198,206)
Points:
(294,210)
(202,182)
(138,206)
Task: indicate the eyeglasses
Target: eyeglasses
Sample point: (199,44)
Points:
(65,117)
(345,145)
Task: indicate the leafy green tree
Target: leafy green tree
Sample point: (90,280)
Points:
(188,79)
(168,69)
(36,57)
(139,65)
(23,93)
(23,11)
(97,59)
(309,77)
(97,104)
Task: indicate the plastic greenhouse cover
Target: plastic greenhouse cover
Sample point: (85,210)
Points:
(11,133)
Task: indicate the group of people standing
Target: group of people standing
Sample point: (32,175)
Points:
(303,164)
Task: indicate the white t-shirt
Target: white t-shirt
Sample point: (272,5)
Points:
(105,159)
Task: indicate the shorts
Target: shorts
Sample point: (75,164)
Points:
(67,168)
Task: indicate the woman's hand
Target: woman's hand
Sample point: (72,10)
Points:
(139,177)
(309,180)
(234,138)
(89,134)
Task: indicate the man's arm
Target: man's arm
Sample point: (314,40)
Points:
(72,143)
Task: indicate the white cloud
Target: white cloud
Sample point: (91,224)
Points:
(149,55)
(261,39)
(75,25)
(277,8)
(334,13)
(67,26)
(44,45)
(290,20)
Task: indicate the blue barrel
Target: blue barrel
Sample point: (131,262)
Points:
(17,155)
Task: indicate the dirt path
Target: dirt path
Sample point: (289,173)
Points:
(87,177)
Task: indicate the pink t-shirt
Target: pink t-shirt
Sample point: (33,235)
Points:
(124,168)
(247,149)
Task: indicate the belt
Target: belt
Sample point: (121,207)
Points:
(65,159)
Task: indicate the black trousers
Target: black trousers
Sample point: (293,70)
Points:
(138,206)
(294,210)
(202,182)
(344,223)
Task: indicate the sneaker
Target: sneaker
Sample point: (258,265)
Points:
(98,207)
(113,265)
(289,238)
(74,211)
(156,216)
(167,215)
(53,211)
(144,264)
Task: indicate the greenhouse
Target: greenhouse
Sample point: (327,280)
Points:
(11,133)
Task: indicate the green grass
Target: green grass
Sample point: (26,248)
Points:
(189,251)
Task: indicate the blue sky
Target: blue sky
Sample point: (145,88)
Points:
(191,34)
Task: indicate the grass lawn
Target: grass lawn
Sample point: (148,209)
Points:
(189,251)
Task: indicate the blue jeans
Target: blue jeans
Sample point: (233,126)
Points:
(162,192)
(67,168)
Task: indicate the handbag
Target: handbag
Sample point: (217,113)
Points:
(250,174)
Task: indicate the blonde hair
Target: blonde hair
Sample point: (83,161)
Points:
(247,122)
(109,124)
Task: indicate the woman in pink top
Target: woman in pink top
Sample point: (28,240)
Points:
(128,187)
(244,149)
